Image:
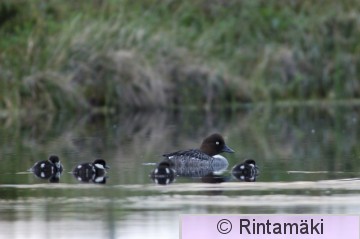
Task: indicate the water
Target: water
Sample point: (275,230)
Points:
(308,158)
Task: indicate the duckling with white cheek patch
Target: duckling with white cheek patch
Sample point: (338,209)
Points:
(164,173)
(246,171)
(91,172)
(48,169)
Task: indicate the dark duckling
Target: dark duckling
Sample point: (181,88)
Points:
(91,172)
(246,171)
(164,173)
(48,169)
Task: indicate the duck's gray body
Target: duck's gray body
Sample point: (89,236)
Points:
(195,158)
(206,156)
(199,162)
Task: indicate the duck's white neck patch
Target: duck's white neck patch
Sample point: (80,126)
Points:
(58,165)
(220,159)
(99,166)
(218,156)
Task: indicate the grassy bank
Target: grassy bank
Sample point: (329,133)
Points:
(124,54)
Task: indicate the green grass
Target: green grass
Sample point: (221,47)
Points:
(124,54)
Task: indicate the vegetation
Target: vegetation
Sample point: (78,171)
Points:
(124,54)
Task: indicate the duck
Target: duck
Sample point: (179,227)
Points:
(91,172)
(164,173)
(206,155)
(48,169)
(246,171)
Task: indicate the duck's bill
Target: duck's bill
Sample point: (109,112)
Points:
(227,149)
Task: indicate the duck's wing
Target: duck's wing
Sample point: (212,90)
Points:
(183,153)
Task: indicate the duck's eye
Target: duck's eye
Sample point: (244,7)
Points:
(217,142)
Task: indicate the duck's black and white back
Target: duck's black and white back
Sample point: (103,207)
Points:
(91,172)
(48,169)
(191,157)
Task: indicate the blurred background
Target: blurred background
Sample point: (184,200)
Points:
(126,55)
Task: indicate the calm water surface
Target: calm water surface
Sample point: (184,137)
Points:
(308,159)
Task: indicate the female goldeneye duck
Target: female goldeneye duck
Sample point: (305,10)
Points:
(246,171)
(48,169)
(94,172)
(163,173)
(207,154)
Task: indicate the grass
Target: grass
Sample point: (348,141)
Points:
(125,55)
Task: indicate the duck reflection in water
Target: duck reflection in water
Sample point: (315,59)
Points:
(94,172)
(50,169)
(246,171)
(164,173)
(214,177)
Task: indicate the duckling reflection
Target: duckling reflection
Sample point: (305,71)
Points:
(50,169)
(164,173)
(246,171)
(94,172)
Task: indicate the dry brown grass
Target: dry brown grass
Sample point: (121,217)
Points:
(123,79)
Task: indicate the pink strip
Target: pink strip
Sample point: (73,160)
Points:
(269,226)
